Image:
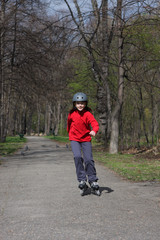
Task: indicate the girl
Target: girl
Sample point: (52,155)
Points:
(78,126)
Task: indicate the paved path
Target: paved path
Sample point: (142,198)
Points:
(39,200)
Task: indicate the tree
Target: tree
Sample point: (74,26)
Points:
(100,30)
(142,73)
(33,65)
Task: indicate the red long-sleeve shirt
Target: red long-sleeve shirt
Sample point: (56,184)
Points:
(78,125)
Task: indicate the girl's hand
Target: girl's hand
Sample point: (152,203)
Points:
(92,133)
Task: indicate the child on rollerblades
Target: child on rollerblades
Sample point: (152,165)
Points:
(78,126)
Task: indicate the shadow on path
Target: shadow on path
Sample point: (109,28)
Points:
(101,189)
(106,189)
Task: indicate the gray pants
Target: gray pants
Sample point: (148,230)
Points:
(84,163)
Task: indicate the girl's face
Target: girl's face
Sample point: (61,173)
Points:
(80,105)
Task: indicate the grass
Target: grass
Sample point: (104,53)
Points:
(11,145)
(128,166)
(131,167)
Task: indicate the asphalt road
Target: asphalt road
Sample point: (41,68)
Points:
(40,200)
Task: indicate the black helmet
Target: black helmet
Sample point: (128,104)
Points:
(80,97)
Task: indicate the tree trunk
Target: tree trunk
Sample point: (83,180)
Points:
(155,117)
(24,120)
(2,83)
(47,119)
(143,116)
(101,108)
(38,118)
(113,148)
(29,122)
(57,117)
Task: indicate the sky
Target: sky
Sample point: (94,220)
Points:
(57,5)
(131,8)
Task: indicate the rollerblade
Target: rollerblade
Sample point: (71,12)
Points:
(83,187)
(95,188)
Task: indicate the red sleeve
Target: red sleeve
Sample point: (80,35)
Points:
(68,122)
(93,122)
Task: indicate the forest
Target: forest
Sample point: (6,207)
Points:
(108,49)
